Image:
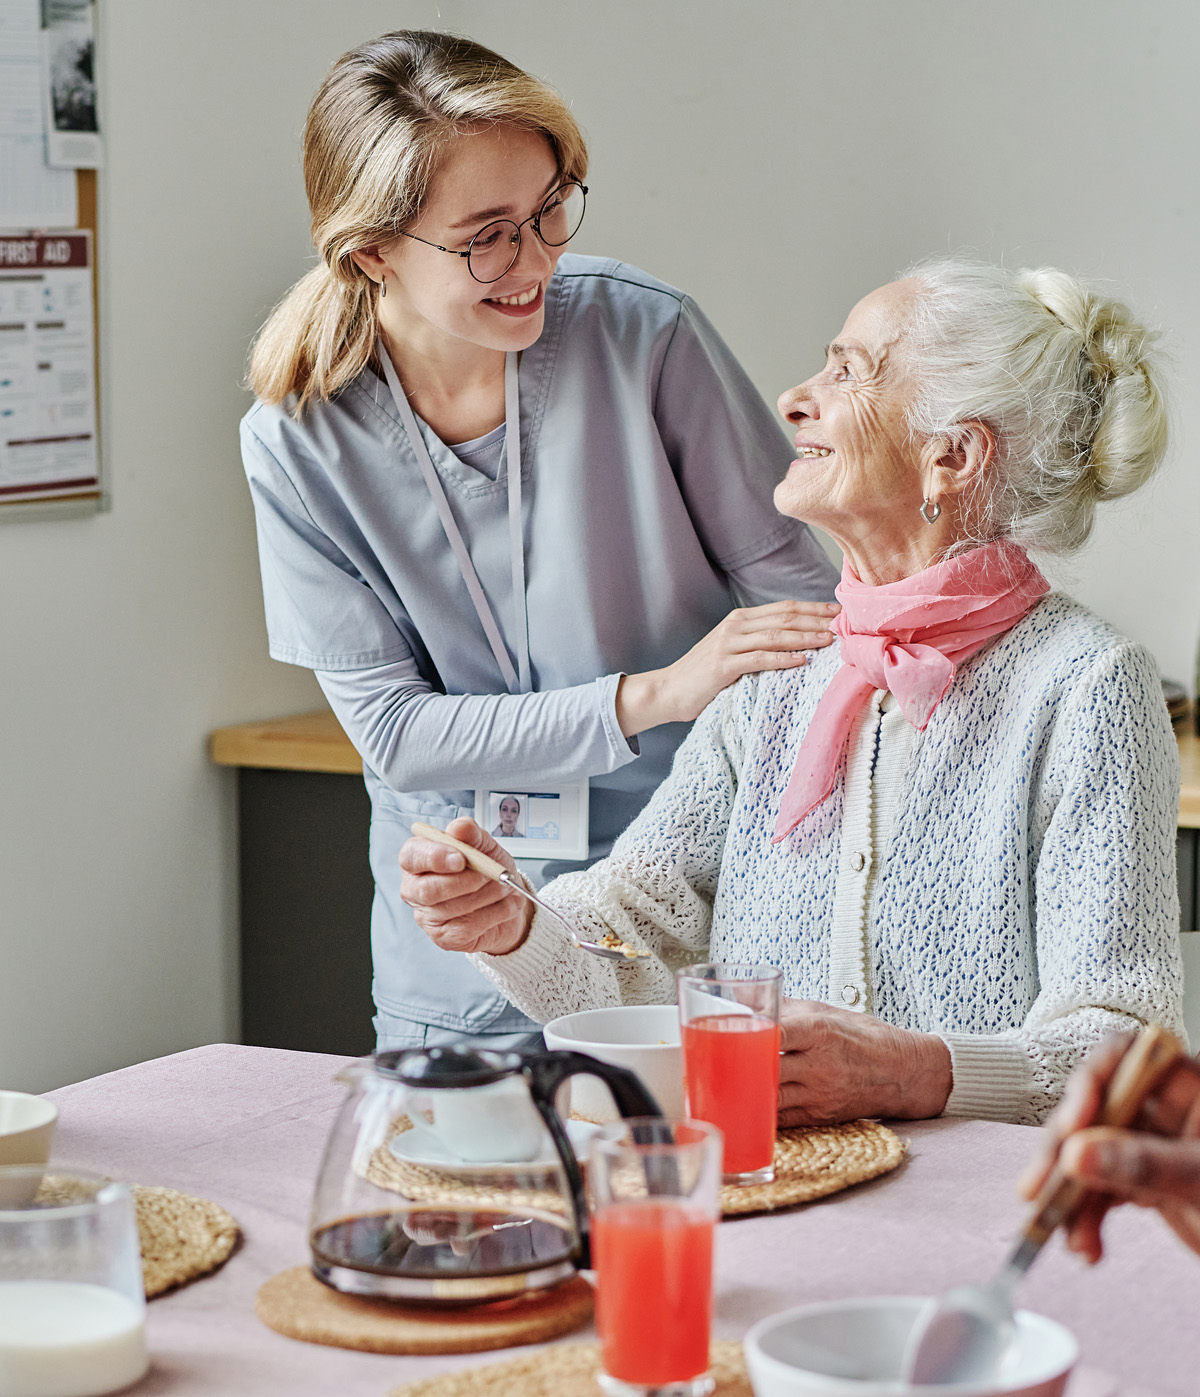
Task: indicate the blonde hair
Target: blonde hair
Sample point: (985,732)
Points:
(377,133)
(1065,378)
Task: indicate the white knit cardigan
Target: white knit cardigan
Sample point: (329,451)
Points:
(1022,901)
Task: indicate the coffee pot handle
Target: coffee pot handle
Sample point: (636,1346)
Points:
(546,1072)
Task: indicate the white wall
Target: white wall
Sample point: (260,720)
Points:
(778,158)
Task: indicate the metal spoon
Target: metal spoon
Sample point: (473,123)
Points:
(964,1336)
(490,868)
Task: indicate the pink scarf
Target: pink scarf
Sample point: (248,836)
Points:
(907,637)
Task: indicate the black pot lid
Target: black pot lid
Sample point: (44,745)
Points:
(450,1067)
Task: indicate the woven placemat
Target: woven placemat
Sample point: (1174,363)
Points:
(295,1303)
(182,1238)
(810,1162)
(471,1186)
(564,1370)
(815,1161)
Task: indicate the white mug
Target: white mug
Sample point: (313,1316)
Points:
(481,1125)
(642,1037)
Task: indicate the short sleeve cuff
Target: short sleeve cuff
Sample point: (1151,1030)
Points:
(992,1077)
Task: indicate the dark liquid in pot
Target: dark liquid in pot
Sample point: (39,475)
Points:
(436,1243)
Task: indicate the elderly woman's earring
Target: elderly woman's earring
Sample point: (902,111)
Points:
(931,511)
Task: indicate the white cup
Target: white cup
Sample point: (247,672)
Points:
(26,1128)
(496,1123)
(642,1037)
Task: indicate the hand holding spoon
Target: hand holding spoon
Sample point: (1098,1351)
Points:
(493,869)
(963,1336)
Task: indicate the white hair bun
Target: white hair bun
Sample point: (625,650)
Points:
(1065,378)
(1129,436)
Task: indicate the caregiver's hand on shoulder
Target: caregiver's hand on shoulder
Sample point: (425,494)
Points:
(838,1066)
(456,907)
(749,639)
(1119,1166)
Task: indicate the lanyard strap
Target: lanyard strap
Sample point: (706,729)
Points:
(517,680)
(516,521)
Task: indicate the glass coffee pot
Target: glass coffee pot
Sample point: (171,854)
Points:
(449,1179)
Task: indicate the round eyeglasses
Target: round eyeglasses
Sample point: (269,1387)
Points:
(494,249)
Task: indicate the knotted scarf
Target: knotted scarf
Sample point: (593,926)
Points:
(907,637)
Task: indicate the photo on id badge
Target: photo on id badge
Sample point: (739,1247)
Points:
(551,823)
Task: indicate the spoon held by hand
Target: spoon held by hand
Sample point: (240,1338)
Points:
(964,1335)
(493,869)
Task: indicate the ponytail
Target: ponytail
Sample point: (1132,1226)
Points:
(318,339)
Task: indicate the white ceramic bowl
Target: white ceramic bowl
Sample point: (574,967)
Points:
(853,1348)
(644,1037)
(26,1128)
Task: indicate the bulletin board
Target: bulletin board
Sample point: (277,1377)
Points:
(50,458)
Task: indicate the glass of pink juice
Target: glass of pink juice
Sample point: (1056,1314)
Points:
(729,1017)
(654,1194)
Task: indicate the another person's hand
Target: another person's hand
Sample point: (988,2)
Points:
(456,907)
(1119,1166)
(750,639)
(838,1066)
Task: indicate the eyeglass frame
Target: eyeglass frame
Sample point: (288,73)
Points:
(534,218)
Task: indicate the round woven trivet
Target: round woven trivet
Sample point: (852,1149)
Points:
(471,1186)
(295,1303)
(181,1237)
(810,1162)
(564,1370)
(814,1161)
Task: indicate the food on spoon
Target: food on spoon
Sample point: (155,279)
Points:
(612,942)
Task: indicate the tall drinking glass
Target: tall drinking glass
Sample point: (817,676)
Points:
(654,1196)
(729,1016)
(72,1305)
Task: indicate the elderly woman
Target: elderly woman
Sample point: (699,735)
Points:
(954,829)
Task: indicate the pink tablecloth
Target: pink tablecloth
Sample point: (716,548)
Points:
(245,1126)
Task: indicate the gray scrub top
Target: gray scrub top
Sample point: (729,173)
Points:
(648,466)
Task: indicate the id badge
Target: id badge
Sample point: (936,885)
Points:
(549,823)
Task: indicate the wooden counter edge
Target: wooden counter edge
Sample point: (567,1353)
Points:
(316,742)
(306,742)
(1189,793)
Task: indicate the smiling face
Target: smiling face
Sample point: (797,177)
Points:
(858,472)
(495,173)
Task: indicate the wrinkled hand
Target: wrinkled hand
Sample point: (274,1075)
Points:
(1118,1166)
(459,909)
(749,639)
(838,1066)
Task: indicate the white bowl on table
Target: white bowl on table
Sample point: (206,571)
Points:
(642,1037)
(853,1348)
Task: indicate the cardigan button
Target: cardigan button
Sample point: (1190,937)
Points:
(858,862)
(849,994)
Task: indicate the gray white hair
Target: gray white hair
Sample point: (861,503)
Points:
(1064,377)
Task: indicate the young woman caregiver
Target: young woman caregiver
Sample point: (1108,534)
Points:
(505,498)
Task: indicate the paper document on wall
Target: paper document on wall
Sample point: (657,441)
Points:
(32,195)
(69,68)
(48,446)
